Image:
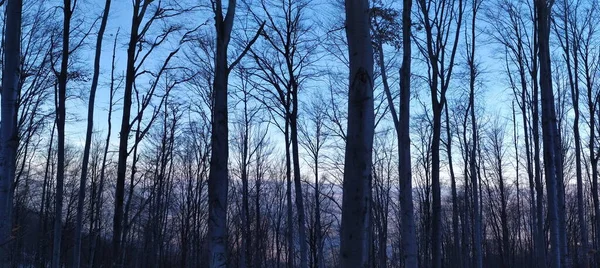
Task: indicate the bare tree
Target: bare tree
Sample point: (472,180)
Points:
(88,138)
(218,176)
(570,39)
(314,142)
(60,127)
(384,32)
(549,128)
(9,139)
(442,21)
(355,229)
(473,72)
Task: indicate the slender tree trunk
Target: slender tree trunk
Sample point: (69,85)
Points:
(105,153)
(477,233)
(356,199)
(124,132)
(88,139)
(541,243)
(298,181)
(549,128)
(592,105)
(574,85)
(258,246)
(409,230)
(320,262)
(60,127)
(530,172)
(246,236)
(456,240)
(477,246)
(42,242)
(288,194)
(9,137)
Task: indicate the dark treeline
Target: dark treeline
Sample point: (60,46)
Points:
(300,133)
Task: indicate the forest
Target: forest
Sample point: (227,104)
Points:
(300,133)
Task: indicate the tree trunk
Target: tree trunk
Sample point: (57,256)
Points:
(409,239)
(477,243)
(288,194)
(9,137)
(356,199)
(549,129)
(455,237)
(124,132)
(60,127)
(574,86)
(88,139)
(218,180)
(297,181)
(477,246)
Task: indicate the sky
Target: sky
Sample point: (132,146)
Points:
(493,92)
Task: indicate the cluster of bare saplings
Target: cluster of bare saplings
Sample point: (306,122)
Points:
(300,133)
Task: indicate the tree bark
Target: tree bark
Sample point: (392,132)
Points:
(9,137)
(409,230)
(218,180)
(355,227)
(60,127)
(297,179)
(549,128)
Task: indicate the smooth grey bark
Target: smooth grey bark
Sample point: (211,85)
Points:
(9,137)
(60,127)
(297,176)
(88,138)
(409,230)
(540,248)
(218,178)
(355,227)
(549,128)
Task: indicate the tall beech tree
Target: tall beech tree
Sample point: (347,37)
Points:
(218,178)
(9,138)
(355,231)
(550,135)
